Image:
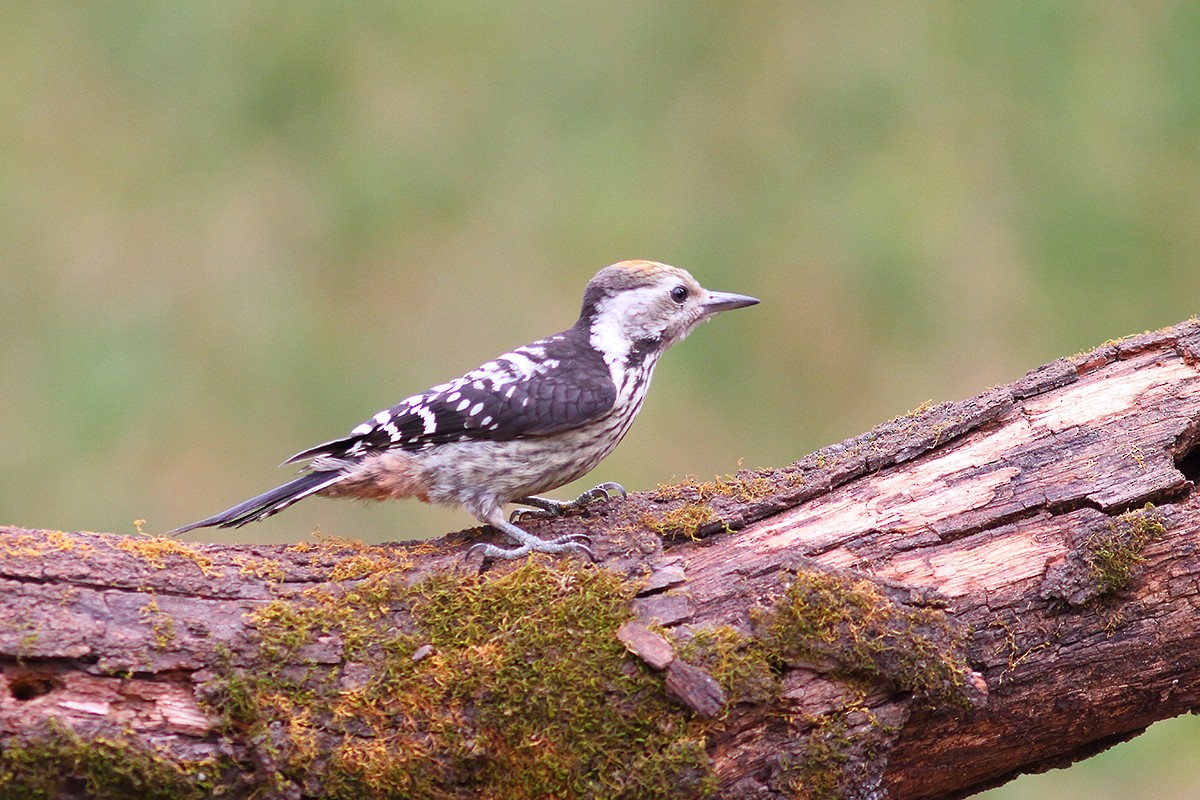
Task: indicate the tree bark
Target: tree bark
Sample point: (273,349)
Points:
(963,594)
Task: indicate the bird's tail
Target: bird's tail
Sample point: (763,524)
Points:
(268,503)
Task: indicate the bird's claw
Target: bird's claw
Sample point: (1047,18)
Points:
(576,542)
(545,508)
(529,514)
(608,489)
(581,538)
(491,551)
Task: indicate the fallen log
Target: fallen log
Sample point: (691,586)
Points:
(965,593)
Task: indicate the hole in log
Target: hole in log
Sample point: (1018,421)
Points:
(30,685)
(1187,452)
(1189,465)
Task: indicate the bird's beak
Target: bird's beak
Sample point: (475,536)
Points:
(723,301)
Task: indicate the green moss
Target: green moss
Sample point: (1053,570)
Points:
(684,520)
(265,569)
(30,545)
(830,763)
(521,689)
(1113,554)
(157,550)
(693,507)
(851,623)
(744,486)
(60,762)
(818,772)
(852,627)
(740,663)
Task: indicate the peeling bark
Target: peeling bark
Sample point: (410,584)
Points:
(972,591)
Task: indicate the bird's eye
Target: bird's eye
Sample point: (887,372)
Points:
(679,294)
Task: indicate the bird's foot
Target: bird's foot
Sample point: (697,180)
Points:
(545,508)
(528,543)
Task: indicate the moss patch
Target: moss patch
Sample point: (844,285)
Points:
(744,486)
(851,625)
(741,664)
(1114,553)
(1104,557)
(859,630)
(682,521)
(64,763)
(156,551)
(695,506)
(818,772)
(27,545)
(838,757)
(504,686)
(265,569)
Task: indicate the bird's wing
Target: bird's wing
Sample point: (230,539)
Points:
(543,388)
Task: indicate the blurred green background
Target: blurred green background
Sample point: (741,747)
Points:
(231,230)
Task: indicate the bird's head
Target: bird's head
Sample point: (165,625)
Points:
(636,308)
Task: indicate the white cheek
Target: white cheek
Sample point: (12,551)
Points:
(623,314)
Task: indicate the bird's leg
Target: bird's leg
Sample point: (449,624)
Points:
(528,543)
(546,508)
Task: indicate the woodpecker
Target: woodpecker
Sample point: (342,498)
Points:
(526,422)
